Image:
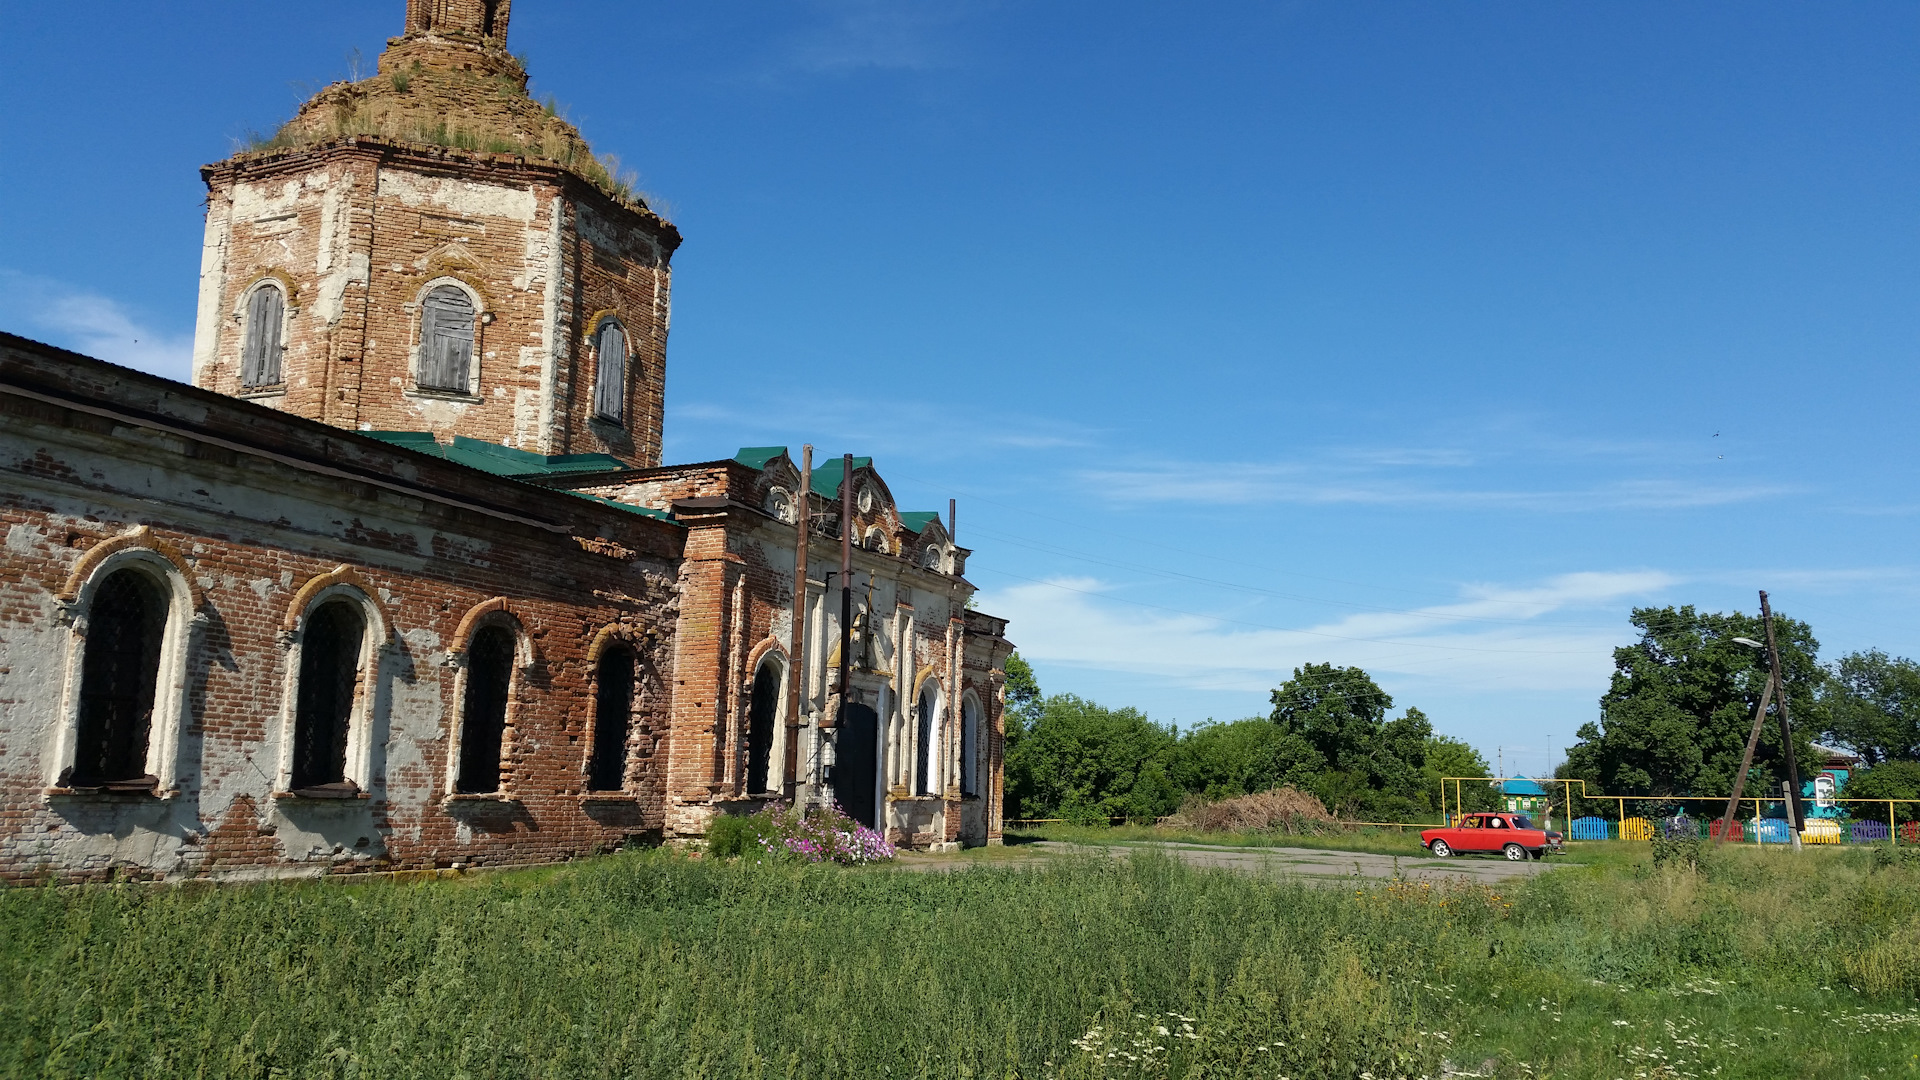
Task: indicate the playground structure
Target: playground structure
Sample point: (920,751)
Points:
(1848,821)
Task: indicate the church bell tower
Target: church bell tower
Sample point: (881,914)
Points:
(431,250)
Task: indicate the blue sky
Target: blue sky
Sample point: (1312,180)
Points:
(1426,337)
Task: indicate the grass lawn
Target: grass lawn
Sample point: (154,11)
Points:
(650,964)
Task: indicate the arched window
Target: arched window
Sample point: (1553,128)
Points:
(927,761)
(483,719)
(446,340)
(610,375)
(260,350)
(119,677)
(969,747)
(760,716)
(612,719)
(330,653)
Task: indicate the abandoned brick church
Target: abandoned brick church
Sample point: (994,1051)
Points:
(401,583)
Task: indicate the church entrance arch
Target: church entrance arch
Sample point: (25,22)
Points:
(856,763)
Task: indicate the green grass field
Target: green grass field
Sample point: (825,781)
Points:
(650,964)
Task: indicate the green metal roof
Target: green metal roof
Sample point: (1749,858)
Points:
(918,520)
(506,461)
(826,475)
(499,460)
(643,511)
(756,457)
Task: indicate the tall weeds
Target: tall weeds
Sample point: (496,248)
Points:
(652,965)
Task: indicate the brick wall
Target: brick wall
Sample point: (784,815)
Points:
(254,506)
(356,230)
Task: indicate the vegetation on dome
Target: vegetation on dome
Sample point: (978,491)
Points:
(434,106)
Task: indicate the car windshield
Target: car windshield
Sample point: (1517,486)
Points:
(1522,821)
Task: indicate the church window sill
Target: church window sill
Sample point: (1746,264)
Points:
(481,798)
(443,395)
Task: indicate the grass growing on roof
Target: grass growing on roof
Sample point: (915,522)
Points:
(1761,964)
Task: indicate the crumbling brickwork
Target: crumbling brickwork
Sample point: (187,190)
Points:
(358,599)
(253,513)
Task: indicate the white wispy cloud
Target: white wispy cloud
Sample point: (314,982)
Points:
(88,322)
(1330,483)
(1493,637)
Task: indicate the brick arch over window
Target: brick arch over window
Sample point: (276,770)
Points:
(972,716)
(447,352)
(614,666)
(492,652)
(132,609)
(335,635)
(929,700)
(612,355)
(263,313)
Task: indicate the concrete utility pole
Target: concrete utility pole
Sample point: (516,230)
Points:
(846,582)
(797,663)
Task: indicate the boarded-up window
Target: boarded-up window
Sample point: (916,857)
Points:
(929,755)
(610,378)
(483,721)
(969,748)
(118,676)
(260,352)
(766,701)
(612,717)
(446,340)
(329,676)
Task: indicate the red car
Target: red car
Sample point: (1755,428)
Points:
(1513,835)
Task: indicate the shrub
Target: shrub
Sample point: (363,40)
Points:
(733,835)
(1677,847)
(779,831)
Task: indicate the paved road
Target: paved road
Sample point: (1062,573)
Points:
(1315,863)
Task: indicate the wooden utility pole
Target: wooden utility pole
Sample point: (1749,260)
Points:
(1746,761)
(846,585)
(797,663)
(1786,723)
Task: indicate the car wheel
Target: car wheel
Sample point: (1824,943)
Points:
(1539,853)
(1515,853)
(1440,849)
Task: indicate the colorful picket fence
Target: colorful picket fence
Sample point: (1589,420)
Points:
(1821,831)
(1870,832)
(1591,828)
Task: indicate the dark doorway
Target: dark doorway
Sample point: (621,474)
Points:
(329,676)
(856,763)
(612,716)
(484,720)
(118,677)
(766,702)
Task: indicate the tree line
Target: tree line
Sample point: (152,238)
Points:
(1329,733)
(1674,721)
(1679,709)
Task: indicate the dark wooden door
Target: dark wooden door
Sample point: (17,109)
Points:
(856,763)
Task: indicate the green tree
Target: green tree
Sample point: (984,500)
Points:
(1676,716)
(1447,756)
(1220,761)
(1373,764)
(1088,764)
(1888,780)
(1023,700)
(1873,707)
